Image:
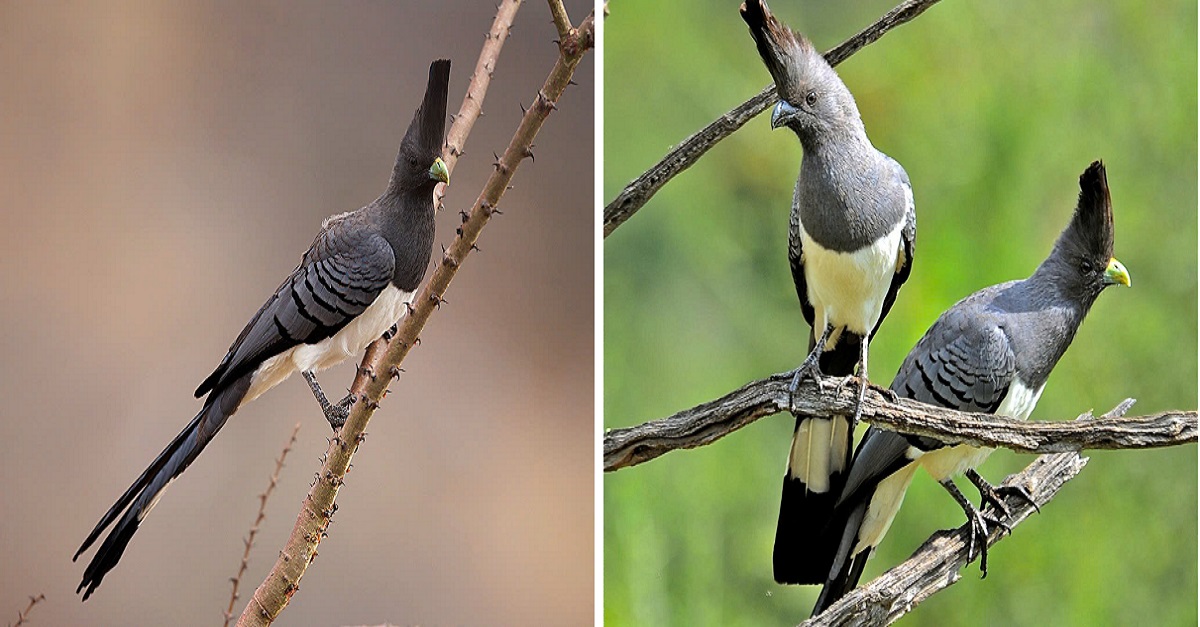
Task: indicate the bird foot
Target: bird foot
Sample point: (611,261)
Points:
(810,369)
(977,526)
(335,414)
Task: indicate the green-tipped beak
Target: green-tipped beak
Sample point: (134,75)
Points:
(1116,274)
(439,172)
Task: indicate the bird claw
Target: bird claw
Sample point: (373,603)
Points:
(810,369)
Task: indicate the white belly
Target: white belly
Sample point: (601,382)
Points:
(951,461)
(351,340)
(847,289)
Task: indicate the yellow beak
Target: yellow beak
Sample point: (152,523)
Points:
(439,172)
(1116,273)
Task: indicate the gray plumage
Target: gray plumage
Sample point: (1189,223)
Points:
(992,352)
(350,286)
(851,236)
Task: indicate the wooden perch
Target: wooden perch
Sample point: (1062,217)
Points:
(708,422)
(639,191)
(936,564)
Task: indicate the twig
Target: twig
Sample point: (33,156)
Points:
(262,514)
(936,564)
(22,616)
(382,362)
(561,20)
(639,191)
(708,422)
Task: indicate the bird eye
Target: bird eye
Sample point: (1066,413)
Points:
(1085,266)
(811,98)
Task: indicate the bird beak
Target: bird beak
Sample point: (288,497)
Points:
(782,114)
(1115,274)
(439,172)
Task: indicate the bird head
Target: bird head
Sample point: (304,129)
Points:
(813,100)
(419,166)
(1083,254)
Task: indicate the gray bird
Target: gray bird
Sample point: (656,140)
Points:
(352,285)
(851,235)
(990,353)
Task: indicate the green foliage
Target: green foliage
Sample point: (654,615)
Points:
(994,108)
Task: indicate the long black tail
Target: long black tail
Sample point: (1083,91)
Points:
(141,497)
(803,554)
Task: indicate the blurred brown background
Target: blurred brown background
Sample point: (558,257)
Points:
(162,167)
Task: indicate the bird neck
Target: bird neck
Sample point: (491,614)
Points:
(406,219)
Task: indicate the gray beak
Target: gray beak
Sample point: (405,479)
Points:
(782,114)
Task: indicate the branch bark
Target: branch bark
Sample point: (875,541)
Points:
(639,191)
(708,422)
(936,564)
(381,364)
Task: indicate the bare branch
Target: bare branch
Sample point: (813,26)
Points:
(262,514)
(381,364)
(936,564)
(639,191)
(23,616)
(708,422)
(561,20)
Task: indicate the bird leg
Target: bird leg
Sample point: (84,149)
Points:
(335,414)
(995,494)
(811,366)
(862,384)
(978,523)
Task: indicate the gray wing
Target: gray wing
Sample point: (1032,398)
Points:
(908,237)
(342,273)
(963,362)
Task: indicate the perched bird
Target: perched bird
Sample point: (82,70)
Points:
(990,353)
(351,286)
(850,246)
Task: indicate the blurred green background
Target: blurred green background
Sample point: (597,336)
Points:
(994,109)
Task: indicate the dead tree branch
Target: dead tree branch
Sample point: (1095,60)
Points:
(24,616)
(262,514)
(708,422)
(936,564)
(639,191)
(381,364)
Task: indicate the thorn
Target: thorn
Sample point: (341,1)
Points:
(449,260)
(546,99)
(443,248)
(465,216)
(529,153)
(395,372)
(571,82)
(496,210)
(417,342)
(452,117)
(458,231)
(411,309)
(523,109)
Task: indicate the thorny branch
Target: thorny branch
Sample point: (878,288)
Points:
(23,616)
(381,364)
(708,422)
(639,191)
(936,565)
(262,514)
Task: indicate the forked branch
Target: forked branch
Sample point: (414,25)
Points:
(936,565)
